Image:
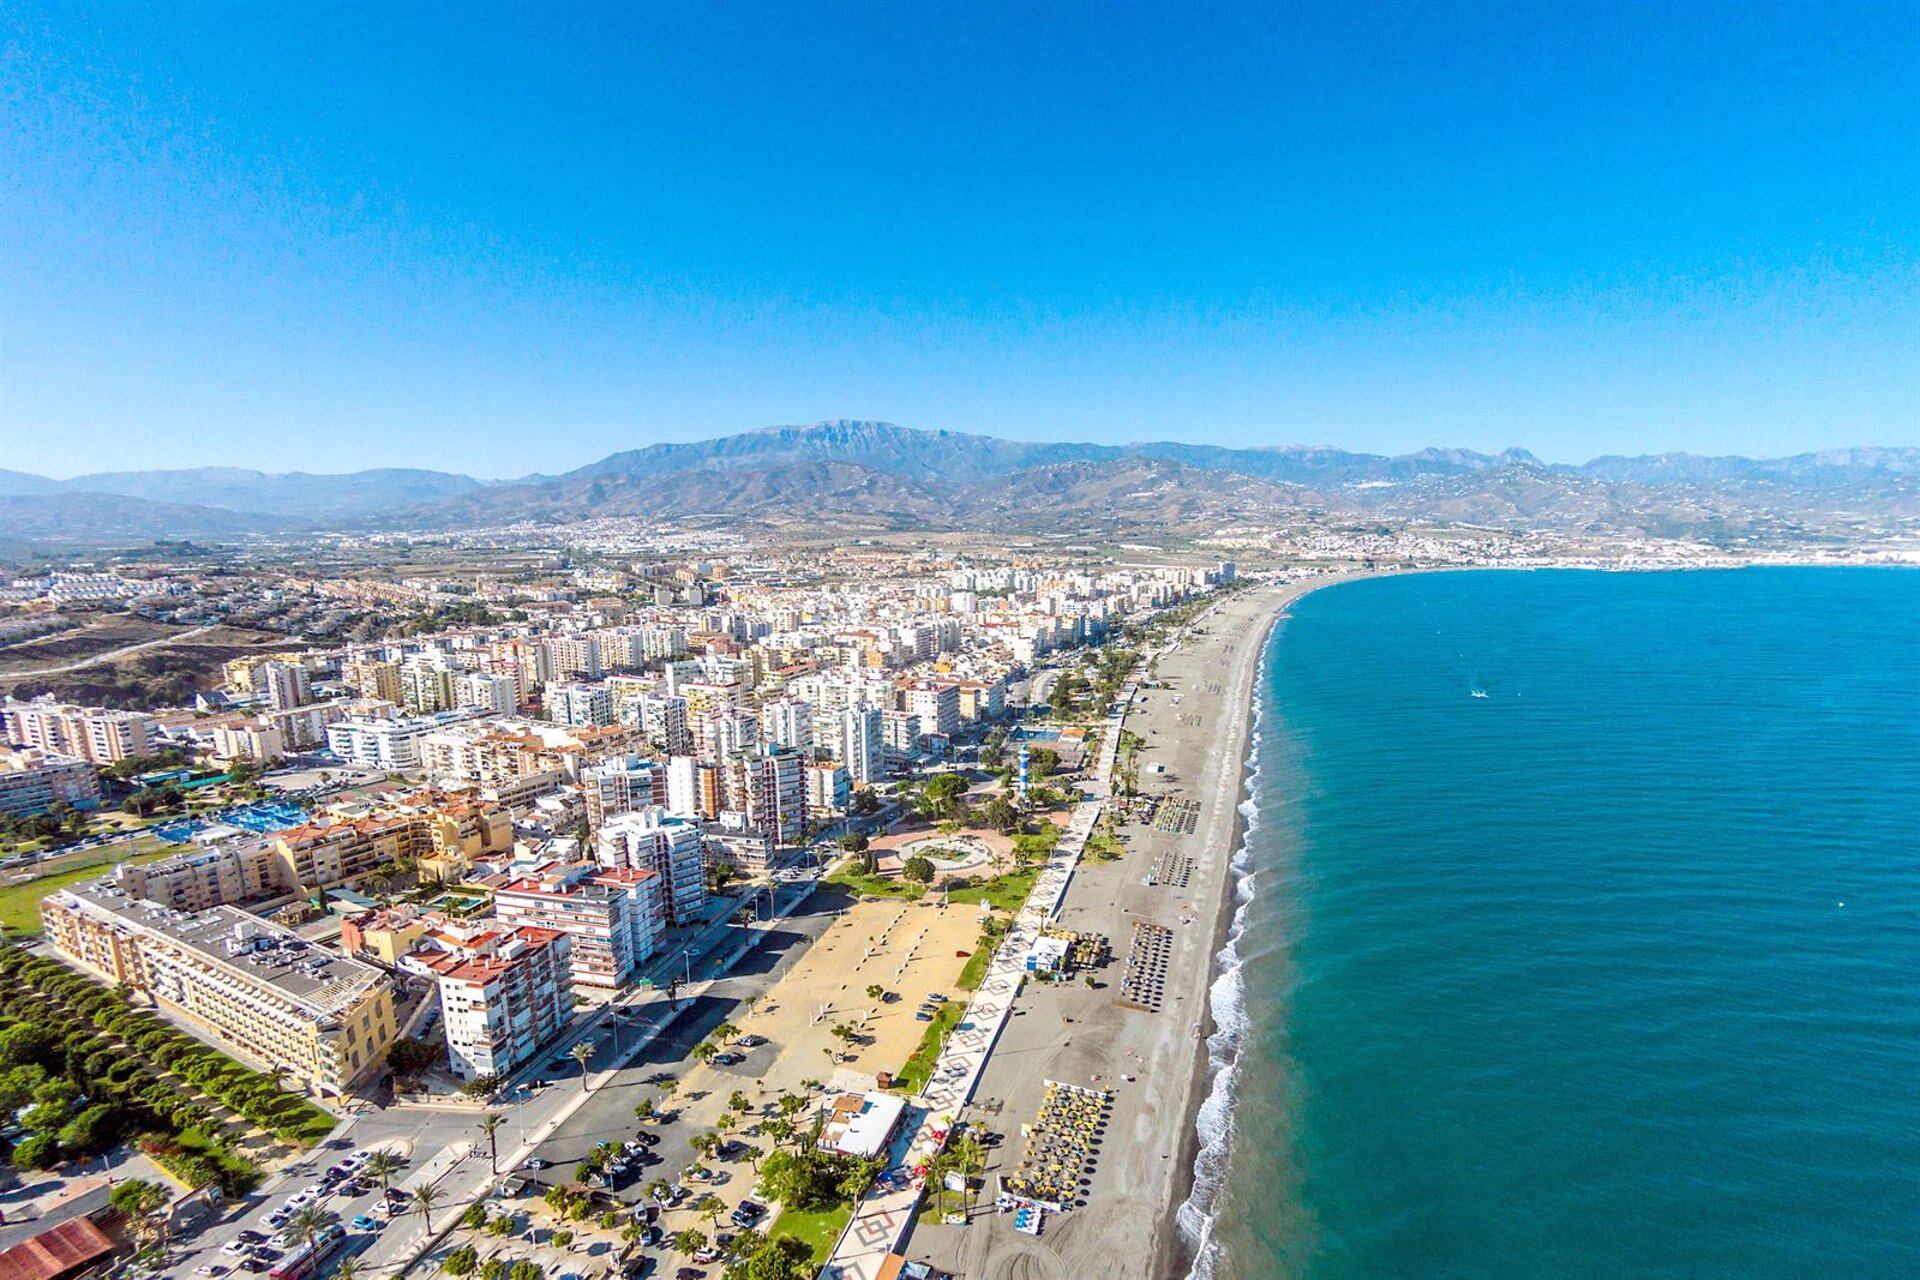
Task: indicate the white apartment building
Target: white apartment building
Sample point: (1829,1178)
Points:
(505,993)
(94,734)
(575,703)
(654,840)
(787,722)
(613,914)
(389,744)
(862,744)
(484,691)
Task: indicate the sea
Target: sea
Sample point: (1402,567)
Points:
(1578,934)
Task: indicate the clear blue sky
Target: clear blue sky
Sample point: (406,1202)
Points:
(502,240)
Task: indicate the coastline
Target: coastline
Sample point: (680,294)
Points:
(1181,1238)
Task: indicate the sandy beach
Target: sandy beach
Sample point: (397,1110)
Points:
(1196,731)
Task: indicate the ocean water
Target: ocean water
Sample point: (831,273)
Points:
(1613,972)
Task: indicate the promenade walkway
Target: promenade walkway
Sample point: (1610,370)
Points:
(880,1221)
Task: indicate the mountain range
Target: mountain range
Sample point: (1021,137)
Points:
(856,475)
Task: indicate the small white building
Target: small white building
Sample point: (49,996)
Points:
(862,1124)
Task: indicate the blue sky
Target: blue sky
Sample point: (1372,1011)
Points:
(504,239)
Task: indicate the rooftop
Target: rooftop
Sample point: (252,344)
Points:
(319,983)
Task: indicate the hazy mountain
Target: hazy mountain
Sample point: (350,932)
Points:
(875,475)
(14,484)
(104,518)
(293,493)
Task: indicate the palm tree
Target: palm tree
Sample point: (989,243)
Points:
(382,1165)
(581,1053)
(490,1125)
(424,1198)
(689,1242)
(141,1200)
(310,1221)
(348,1269)
(710,1207)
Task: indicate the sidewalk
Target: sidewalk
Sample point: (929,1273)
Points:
(880,1222)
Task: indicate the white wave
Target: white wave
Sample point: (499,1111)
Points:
(1213,1120)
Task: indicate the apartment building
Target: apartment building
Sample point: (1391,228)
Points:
(861,744)
(654,840)
(484,691)
(614,916)
(579,703)
(829,790)
(427,687)
(33,781)
(771,790)
(255,988)
(372,678)
(325,853)
(787,722)
(388,743)
(622,784)
(94,734)
(231,873)
(693,788)
(505,992)
(936,704)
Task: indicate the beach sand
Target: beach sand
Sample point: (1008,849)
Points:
(1199,730)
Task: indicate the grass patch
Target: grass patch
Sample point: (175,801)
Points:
(975,971)
(1003,893)
(913,1077)
(818,1230)
(20,903)
(875,886)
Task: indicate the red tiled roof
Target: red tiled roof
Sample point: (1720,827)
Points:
(56,1252)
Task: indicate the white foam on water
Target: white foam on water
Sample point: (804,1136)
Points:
(1213,1121)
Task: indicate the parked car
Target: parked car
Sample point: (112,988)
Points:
(728,1059)
(748,1213)
(366,1222)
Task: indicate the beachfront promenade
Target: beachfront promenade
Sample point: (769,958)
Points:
(880,1222)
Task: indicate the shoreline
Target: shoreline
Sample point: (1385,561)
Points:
(1178,1252)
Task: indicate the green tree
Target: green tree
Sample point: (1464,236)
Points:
(689,1241)
(460,1262)
(424,1198)
(918,869)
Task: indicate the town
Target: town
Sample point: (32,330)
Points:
(607,920)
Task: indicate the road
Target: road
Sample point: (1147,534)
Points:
(445,1145)
(110,655)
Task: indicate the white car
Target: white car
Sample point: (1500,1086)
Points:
(236,1248)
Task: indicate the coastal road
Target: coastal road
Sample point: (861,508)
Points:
(1123,1226)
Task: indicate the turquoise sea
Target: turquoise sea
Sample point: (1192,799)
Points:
(1612,972)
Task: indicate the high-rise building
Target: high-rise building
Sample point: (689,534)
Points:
(654,840)
(574,703)
(622,784)
(372,678)
(95,734)
(787,722)
(862,745)
(33,781)
(505,993)
(484,691)
(614,915)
